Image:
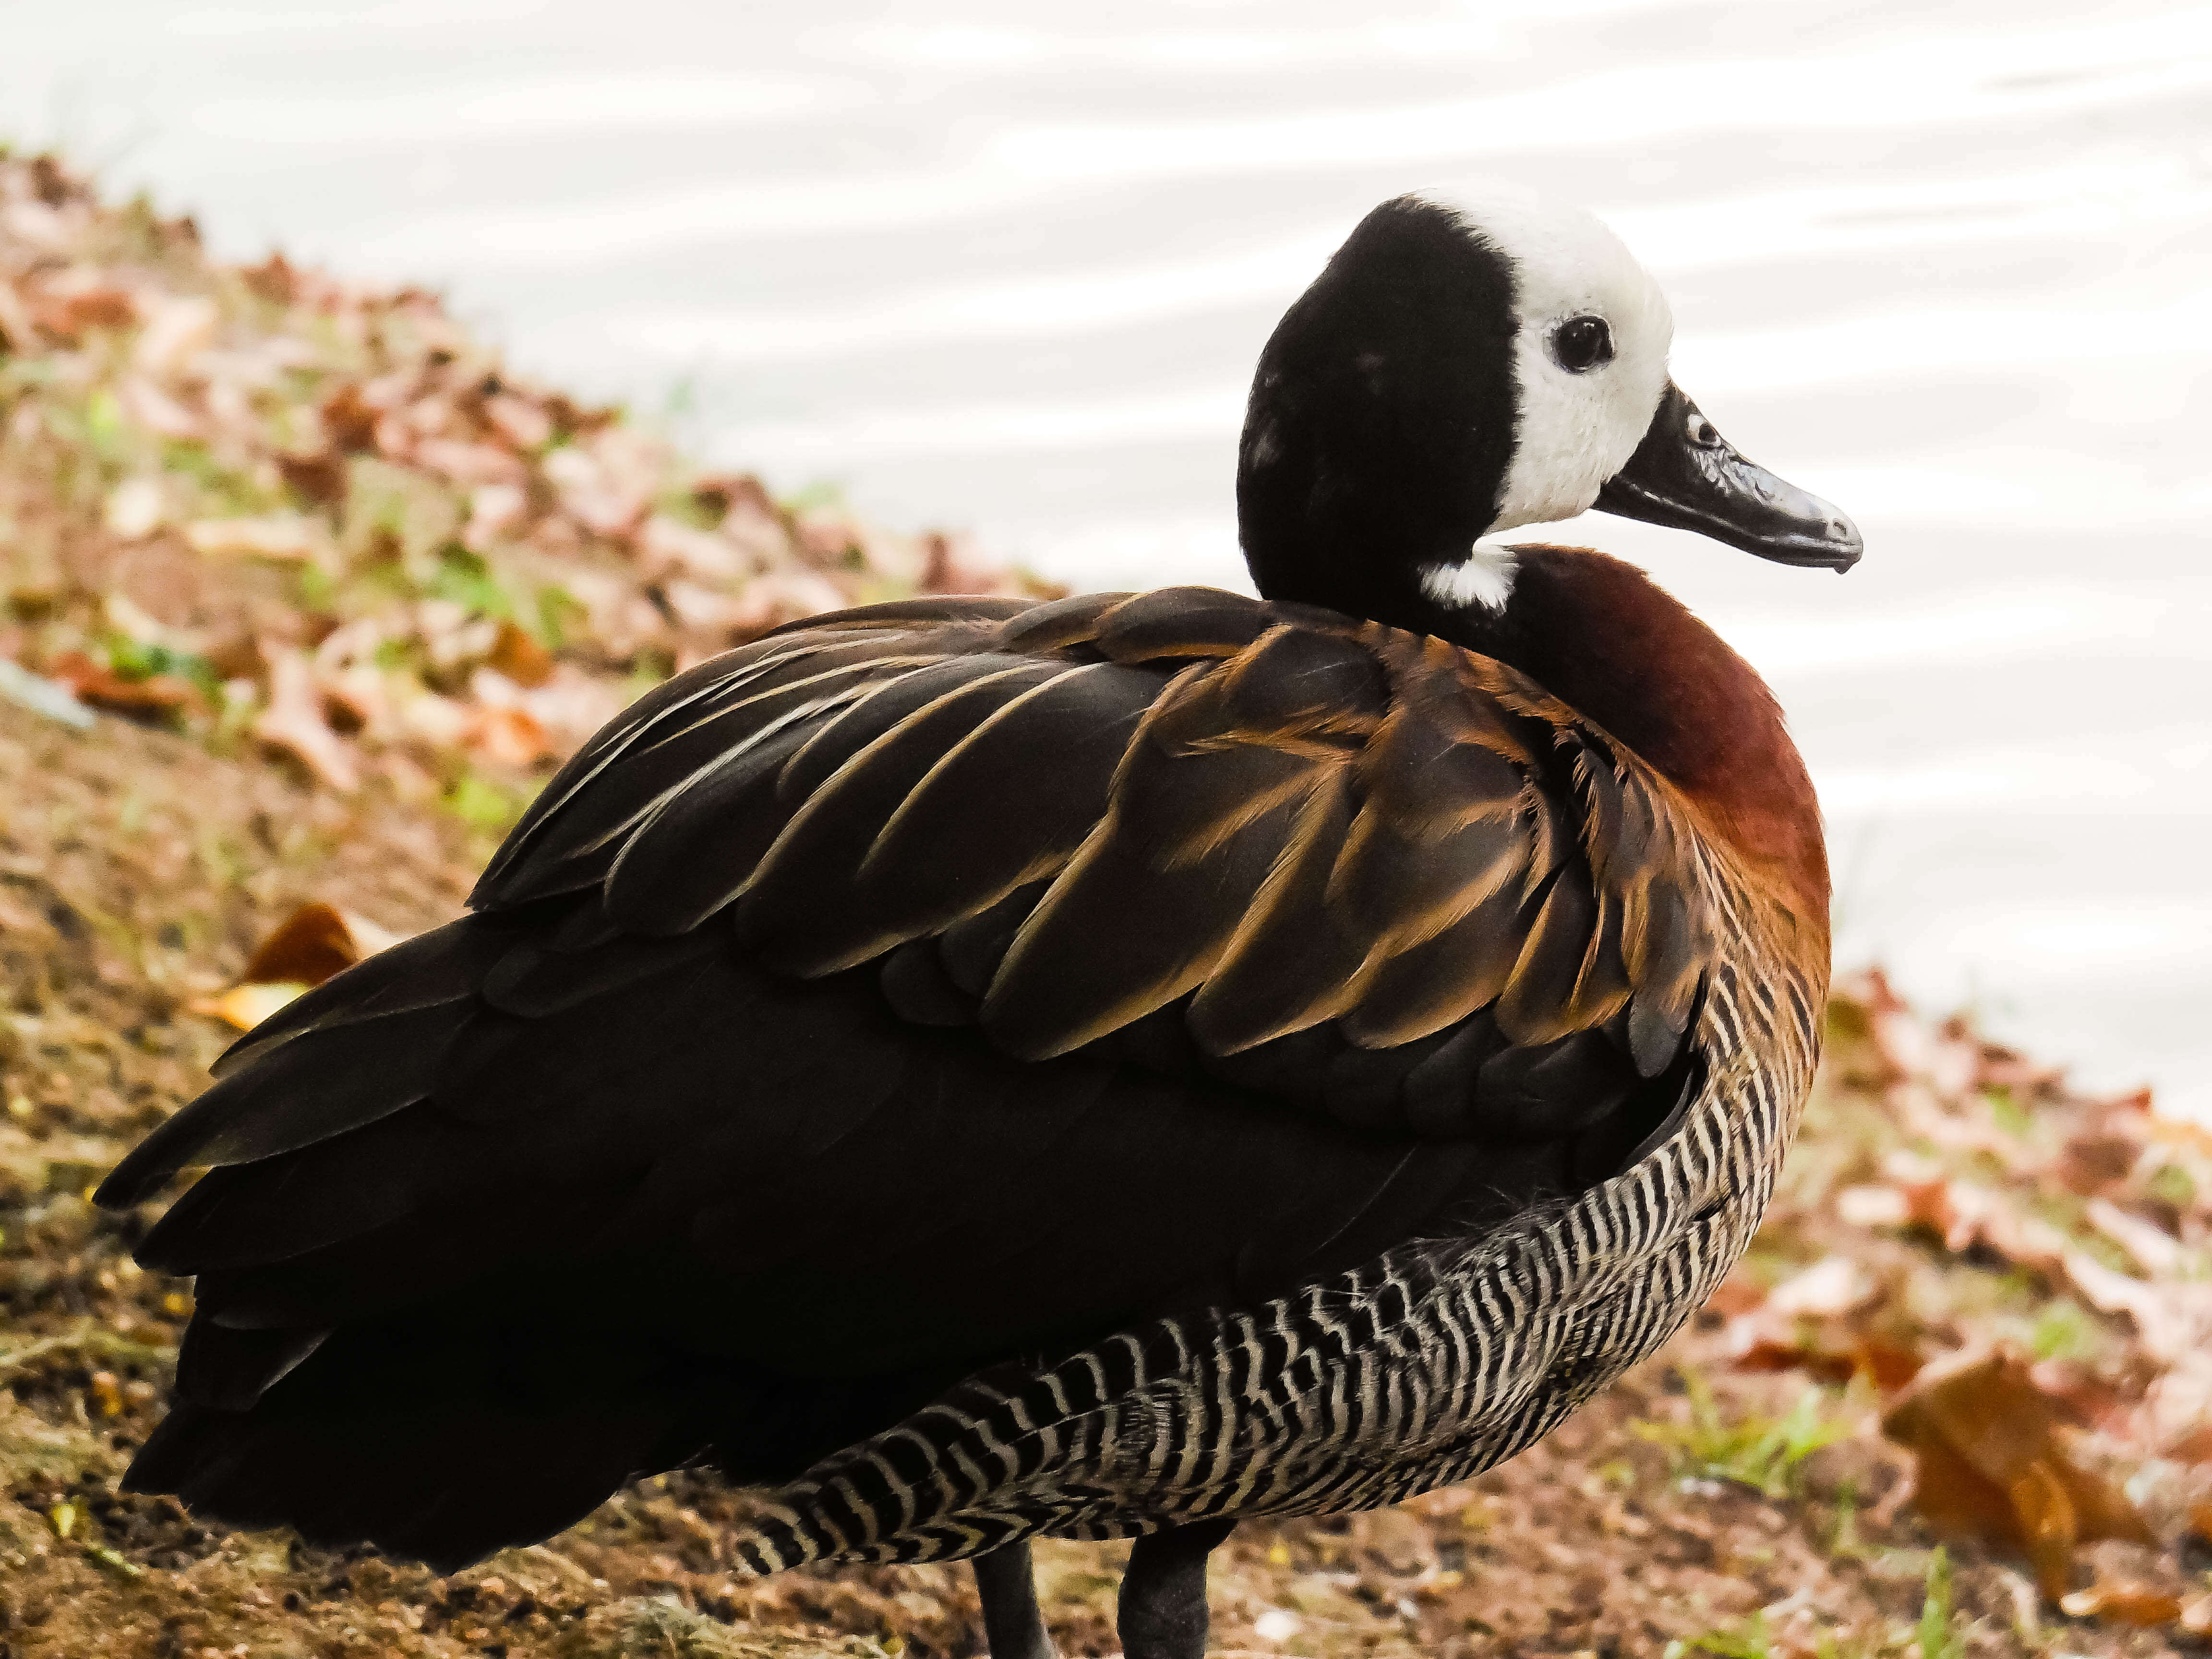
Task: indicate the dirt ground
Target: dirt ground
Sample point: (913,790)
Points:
(1699,1506)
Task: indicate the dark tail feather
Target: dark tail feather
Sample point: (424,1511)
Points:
(446,1435)
(442,1444)
(230,1370)
(351,1051)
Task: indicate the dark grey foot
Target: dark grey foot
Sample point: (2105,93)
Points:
(1014,1625)
(1163,1612)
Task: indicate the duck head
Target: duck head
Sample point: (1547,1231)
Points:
(1464,367)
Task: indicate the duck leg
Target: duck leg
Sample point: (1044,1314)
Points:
(1014,1625)
(1162,1607)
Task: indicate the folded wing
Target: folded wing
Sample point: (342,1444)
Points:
(930,987)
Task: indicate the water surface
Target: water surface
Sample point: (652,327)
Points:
(1007,267)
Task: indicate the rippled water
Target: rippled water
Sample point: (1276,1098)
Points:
(1949,264)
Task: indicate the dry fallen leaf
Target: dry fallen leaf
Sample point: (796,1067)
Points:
(308,947)
(507,735)
(2123,1602)
(314,942)
(1888,1365)
(2173,1319)
(278,536)
(780,597)
(18,333)
(2153,1249)
(1830,1288)
(2195,1446)
(668,548)
(246,1005)
(348,419)
(157,411)
(2196,1618)
(603,484)
(519,420)
(520,657)
(1739,1293)
(135,508)
(1874,1206)
(465,463)
(1830,1320)
(2082,1393)
(1989,1464)
(68,314)
(295,722)
(178,328)
(495,510)
(2091,1162)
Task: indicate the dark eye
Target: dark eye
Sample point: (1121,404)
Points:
(1581,342)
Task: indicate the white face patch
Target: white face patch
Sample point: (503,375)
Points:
(1576,429)
(1484,577)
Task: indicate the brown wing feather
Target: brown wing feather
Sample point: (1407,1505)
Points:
(1282,832)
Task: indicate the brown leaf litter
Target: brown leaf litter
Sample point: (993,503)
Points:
(257,504)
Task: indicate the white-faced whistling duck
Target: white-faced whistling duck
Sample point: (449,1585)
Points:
(970,1069)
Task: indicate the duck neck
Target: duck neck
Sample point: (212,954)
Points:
(1301,556)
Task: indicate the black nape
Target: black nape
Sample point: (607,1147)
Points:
(1382,418)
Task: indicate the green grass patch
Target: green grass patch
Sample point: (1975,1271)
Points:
(463,578)
(1939,1635)
(2064,1329)
(139,659)
(482,805)
(2172,1184)
(223,489)
(562,617)
(2009,1114)
(1749,1640)
(1760,1452)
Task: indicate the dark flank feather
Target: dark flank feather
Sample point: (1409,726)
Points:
(925,992)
